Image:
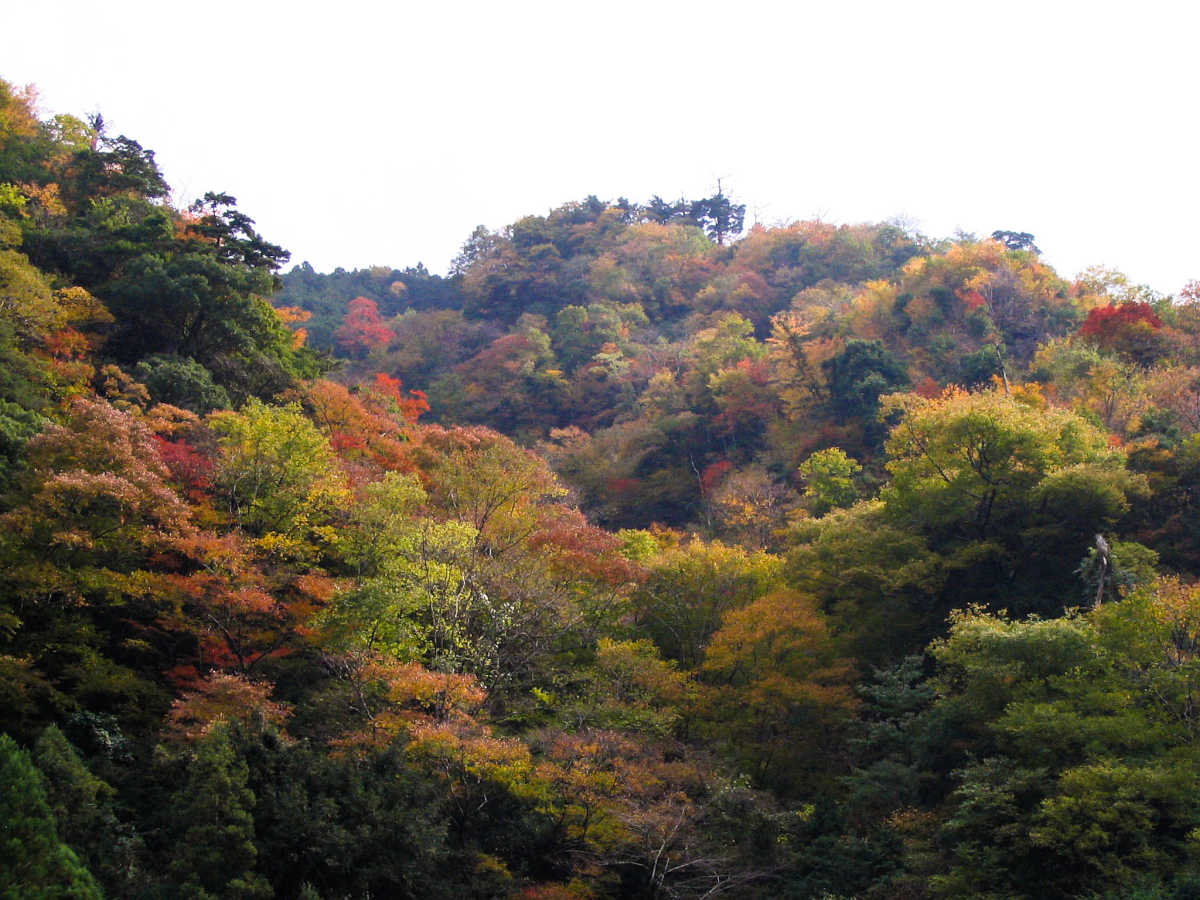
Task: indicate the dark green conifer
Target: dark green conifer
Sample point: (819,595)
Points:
(34,862)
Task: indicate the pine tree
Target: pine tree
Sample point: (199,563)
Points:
(34,862)
(215,853)
(82,805)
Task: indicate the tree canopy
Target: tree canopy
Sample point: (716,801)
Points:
(640,555)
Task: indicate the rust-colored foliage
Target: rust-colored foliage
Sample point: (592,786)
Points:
(778,688)
(229,601)
(1106,319)
(575,548)
(289,315)
(438,712)
(743,396)
(641,805)
(1130,329)
(223,697)
(68,345)
(713,474)
(101,494)
(369,429)
(416,694)
(189,468)
(411,405)
(362,329)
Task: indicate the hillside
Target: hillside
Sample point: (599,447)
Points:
(641,555)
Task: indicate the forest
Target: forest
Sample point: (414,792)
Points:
(643,554)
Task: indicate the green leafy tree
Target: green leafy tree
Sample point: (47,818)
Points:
(280,477)
(989,495)
(183,382)
(894,768)
(881,582)
(829,480)
(194,304)
(23,147)
(972,457)
(112,167)
(1079,734)
(860,374)
(690,588)
(1016,240)
(630,687)
(986,469)
(217,224)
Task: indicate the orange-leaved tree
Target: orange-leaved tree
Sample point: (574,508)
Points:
(778,692)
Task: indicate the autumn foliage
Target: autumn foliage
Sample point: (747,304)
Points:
(636,557)
(363,328)
(1130,329)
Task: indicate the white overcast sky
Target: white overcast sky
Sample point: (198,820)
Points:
(361,133)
